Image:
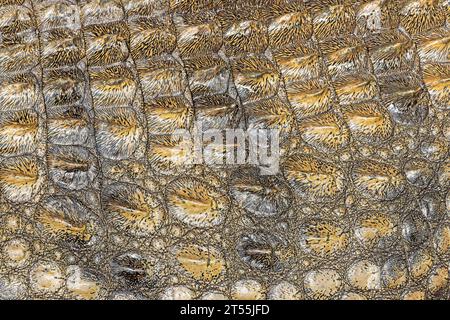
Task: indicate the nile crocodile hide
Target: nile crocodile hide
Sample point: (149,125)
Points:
(100,197)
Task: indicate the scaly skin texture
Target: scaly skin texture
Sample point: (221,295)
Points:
(98,199)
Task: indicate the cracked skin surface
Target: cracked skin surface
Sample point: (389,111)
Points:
(96,204)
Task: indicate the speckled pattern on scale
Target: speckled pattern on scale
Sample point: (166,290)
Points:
(93,205)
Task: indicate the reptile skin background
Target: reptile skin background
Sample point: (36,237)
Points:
(93,204)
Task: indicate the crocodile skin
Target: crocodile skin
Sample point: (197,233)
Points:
(93,204)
